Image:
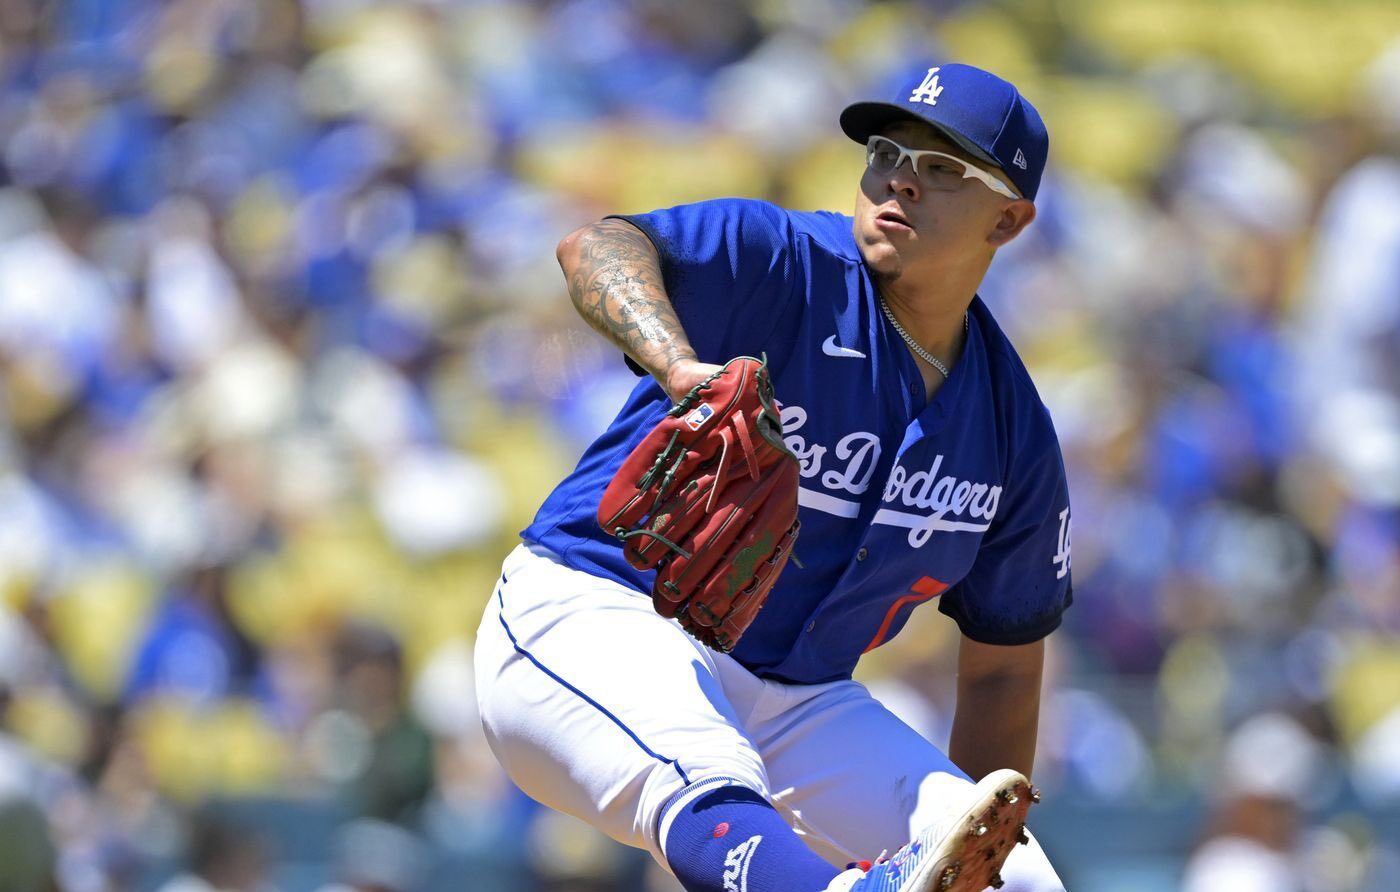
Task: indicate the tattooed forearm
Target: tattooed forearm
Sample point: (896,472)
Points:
(614,278)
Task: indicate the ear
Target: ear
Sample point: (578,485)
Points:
(1017,215)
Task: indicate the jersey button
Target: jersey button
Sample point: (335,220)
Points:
(811,625)
(862,554)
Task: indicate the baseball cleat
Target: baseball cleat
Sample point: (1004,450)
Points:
(963,852)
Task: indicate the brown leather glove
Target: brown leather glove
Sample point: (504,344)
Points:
(709,499)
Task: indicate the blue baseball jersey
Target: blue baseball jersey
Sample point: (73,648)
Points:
(960,499)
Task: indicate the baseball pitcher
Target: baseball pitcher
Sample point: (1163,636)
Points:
(832,431)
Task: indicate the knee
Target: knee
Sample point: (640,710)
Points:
(665,799)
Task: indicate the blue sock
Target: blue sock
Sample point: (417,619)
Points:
(719,836)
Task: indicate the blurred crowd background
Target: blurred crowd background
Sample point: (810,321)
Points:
(286,363)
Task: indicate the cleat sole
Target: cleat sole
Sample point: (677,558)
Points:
(972,854)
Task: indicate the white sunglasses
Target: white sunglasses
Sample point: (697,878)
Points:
(935,170)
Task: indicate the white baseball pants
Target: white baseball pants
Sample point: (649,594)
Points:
(600,708)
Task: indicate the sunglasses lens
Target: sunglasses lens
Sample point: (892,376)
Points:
(940,172)
(881,154)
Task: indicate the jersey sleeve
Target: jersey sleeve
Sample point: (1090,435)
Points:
(1019,585)
(728,270)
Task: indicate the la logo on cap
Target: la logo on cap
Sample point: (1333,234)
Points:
(1020,159)
(928,91)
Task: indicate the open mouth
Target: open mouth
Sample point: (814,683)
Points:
(894,218)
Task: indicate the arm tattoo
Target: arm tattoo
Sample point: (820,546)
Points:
(614,278)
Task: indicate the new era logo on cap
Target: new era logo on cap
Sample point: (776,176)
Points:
(1020,159)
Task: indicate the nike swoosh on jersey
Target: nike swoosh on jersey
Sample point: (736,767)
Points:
(830,349)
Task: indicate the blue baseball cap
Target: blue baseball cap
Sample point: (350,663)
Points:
(982,114)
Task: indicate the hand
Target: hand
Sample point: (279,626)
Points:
(685,374)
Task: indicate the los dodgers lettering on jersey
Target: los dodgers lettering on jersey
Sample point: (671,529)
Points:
(903,500)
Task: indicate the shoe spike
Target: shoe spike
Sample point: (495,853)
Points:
(996,882)
(1021,836)
(1035,795)
(979,830)
(950,874)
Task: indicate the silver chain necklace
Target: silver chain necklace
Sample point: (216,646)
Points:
(913,344)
